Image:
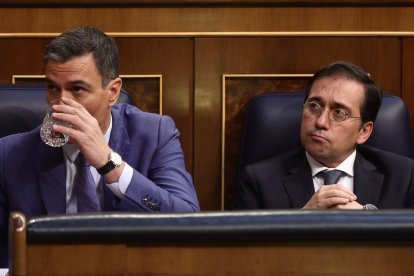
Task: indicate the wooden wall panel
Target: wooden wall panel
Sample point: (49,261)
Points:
(285,55)
(145,91)
(408,75)
(208,19)
(208,2)
(21,56)
(270,258)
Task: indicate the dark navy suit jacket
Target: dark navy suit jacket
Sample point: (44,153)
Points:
(285,181)
(32,174)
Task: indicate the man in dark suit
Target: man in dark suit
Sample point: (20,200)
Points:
(135,158)
(341,104)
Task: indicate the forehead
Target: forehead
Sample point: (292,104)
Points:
(73,69)
(337,90)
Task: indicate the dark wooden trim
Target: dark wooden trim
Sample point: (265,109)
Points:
(208,2)
(323,242)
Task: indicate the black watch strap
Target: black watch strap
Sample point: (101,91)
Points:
(114,160)
(107,168)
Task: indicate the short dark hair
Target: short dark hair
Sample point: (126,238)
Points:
(373,93)
(81,41)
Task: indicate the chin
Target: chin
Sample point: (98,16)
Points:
(316,149)
(318,153)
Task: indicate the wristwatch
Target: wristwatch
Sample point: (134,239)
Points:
(369,207)
(114,160)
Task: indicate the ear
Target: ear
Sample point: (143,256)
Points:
(364,132)
(114,89)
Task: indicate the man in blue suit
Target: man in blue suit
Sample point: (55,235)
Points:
(341,104)
(136,160)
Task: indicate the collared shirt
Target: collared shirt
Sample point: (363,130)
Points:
(70,153)
(346,166)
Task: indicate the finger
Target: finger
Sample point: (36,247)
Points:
(337,201)
(337,189)
(71,116)
(69,131)
(70,108)
(339,193)
(79,118)
(349,205)
(70,102)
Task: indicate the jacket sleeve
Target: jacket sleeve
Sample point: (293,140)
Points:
(247,196)
(167,185)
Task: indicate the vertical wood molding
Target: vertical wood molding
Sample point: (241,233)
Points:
(407,92)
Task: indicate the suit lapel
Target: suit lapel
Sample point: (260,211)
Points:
(299,184)
(368,181)
(119,140)
(52,180)
(120,143)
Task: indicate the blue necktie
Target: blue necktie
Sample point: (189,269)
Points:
(85,186)
(331,176)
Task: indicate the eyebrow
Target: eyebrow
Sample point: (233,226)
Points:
(335,104)
(72,83)
(80,83)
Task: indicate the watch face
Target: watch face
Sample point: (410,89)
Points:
(370,207)
(116,158)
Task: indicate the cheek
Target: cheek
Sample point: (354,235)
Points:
(305,129)
(307,124)
(93,109)
(345,137)
(98,108)
(89,105)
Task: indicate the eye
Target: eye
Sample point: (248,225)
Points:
(77,89)
(339,114)
(314,106)
(52,88)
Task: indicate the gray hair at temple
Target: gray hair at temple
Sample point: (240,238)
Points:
(81,41)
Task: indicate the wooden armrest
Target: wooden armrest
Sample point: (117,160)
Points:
(17,246)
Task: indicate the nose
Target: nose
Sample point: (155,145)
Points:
(57,95)
(323,121)
(66,94)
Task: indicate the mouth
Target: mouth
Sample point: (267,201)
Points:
(319,137)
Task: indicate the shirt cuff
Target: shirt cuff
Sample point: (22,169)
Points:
(119,188)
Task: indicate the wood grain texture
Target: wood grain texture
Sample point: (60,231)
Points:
(89,259)
(243,259)
(408,76)
(208,2)
(207,19)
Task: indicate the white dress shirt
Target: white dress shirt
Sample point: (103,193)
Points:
(347,166)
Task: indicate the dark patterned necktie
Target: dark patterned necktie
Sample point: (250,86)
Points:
(332,176)
(85,186)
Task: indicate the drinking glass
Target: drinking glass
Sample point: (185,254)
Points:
(48,135)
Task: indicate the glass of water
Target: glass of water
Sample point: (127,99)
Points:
(48,135)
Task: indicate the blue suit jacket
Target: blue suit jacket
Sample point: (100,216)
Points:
(285,181)
(32,174)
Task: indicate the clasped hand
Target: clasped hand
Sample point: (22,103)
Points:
(333,196)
